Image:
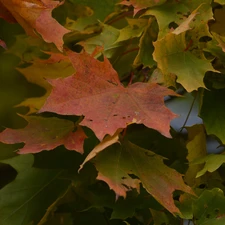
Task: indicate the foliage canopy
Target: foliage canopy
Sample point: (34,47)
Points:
(86,135)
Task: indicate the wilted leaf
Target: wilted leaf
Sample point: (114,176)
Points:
(26,199)
(172,56)
(45,134)
(96,92)
(118,162)
(34,15)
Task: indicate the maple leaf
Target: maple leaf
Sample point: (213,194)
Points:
(36,15)
(172,56)
(96,92)
(119,161)
(45,134)
(35,189)
(57,65)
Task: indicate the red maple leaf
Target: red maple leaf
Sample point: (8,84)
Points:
(45,134)
(96,92)
(35,15)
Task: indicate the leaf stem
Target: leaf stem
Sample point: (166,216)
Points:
(189,112)
(120,17)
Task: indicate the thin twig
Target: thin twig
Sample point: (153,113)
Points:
(192,104)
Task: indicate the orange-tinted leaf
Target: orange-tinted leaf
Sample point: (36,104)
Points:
(45,134)
(5,14)
(96,92)
(35,15)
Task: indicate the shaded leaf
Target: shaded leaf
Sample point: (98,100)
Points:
(96,92)
(26,199)
(212,112)
(134,29)
(107,141)
(118,162)
(220,40)
(144,56)
(196,148)
(45,134)
(142,4)
(101,9)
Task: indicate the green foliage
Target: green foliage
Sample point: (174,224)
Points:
(85,132)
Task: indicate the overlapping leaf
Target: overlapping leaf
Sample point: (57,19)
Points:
(25,200)
(45,134)
(56,66)
(196,148)
(96,92)
(212,113)
(172,56)
(35,15)
(118,162)
(211,163)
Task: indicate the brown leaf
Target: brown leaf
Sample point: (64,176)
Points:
(35,15)
(96,92)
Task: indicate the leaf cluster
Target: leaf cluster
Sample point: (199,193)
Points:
(92,94)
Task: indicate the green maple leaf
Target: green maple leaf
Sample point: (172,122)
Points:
(212,113)
(209,208)
(26,198)
(172,56)
(211,163)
